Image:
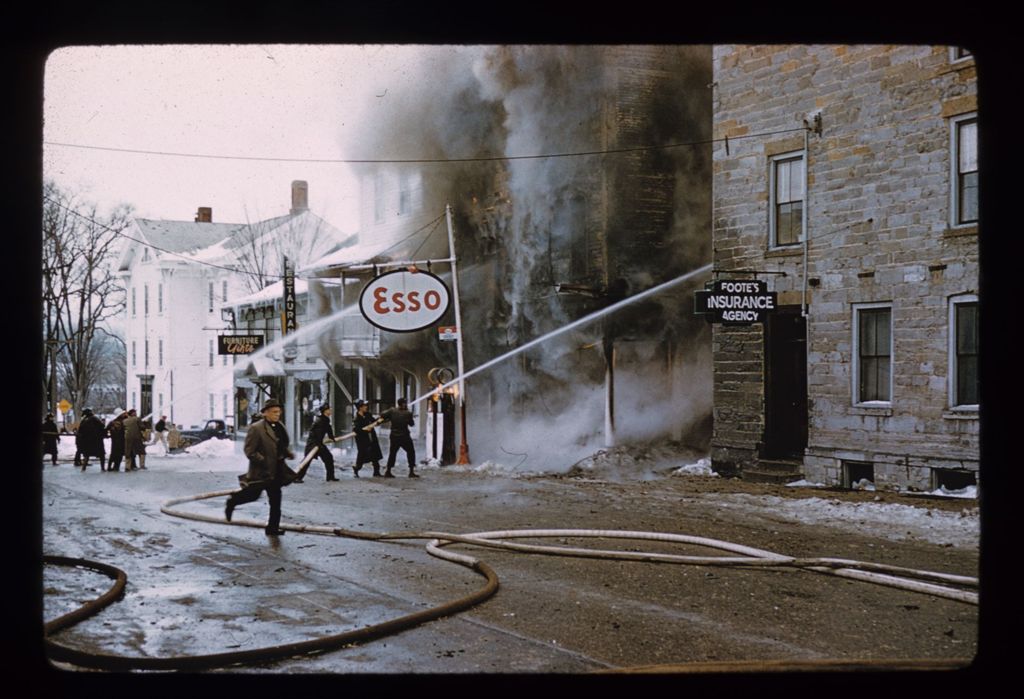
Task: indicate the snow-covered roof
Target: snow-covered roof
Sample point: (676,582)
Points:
(271,293)
(185,236)
(211,242)
(379,251)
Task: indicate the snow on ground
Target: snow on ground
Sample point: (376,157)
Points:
(895,521)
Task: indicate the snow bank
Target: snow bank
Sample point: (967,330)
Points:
(701,468)
(213,448)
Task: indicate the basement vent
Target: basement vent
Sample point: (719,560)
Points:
(856,471)
(953,479)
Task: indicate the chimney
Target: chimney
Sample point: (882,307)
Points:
(300,197)
(204,215)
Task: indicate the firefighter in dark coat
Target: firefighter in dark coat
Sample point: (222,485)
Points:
(367,445)
(401,420)
(266,446)
(50,437)
(89,439)
(321,430)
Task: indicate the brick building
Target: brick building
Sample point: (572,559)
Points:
(848,185)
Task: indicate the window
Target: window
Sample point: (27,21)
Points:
(133,302)
(378,198)
(211,297)
(134,363)
(159,298)
(963,352)
(873,340)
(211,406)
(224,291)
(145,300)
(224,401)
(959,53)
(964,177)
(787,199)
(404,193)
(211,352)
(160,352)
(160,402)
(145,352)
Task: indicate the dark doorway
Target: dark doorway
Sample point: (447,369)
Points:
(145,395)
(785,433)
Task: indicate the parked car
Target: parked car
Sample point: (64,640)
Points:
(213,429)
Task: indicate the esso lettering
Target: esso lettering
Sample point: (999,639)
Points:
(386,301)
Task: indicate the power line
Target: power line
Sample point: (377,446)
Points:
(211,264)
(370,161)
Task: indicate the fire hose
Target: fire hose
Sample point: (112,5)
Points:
(921,581)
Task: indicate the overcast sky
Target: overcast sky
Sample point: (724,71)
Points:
(253,101)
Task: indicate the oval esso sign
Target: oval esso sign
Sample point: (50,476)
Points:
(404,301)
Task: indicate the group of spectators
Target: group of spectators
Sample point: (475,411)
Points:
(128,436)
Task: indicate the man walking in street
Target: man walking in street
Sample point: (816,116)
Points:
(401,420)
(266,447)
(321,430)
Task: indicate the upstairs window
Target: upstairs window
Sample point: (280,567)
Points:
(210,295)
(378,198)
(787,199)
(964,177)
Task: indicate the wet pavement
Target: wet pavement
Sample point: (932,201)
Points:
(198,587)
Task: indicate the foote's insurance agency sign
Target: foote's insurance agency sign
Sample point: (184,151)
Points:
(735,302)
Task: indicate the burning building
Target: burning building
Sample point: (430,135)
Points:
(577,177)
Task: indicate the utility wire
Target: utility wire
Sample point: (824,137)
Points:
(124,235)
(368,161)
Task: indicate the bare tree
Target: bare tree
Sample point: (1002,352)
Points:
(80,290)
(262,245)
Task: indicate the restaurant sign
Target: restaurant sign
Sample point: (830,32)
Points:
(735,302)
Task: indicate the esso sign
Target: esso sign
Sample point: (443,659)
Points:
(404,301)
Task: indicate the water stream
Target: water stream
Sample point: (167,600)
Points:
(321,323)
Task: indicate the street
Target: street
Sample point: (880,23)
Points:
(204,587)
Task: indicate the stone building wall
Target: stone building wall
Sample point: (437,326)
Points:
(878,211)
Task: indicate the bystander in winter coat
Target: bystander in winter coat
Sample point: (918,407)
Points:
(50,437)
(115,430)
(134,444)
(89,438)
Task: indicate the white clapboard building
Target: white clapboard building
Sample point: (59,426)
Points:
(181,278)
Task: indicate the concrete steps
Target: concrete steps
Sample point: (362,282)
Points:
(775,471)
